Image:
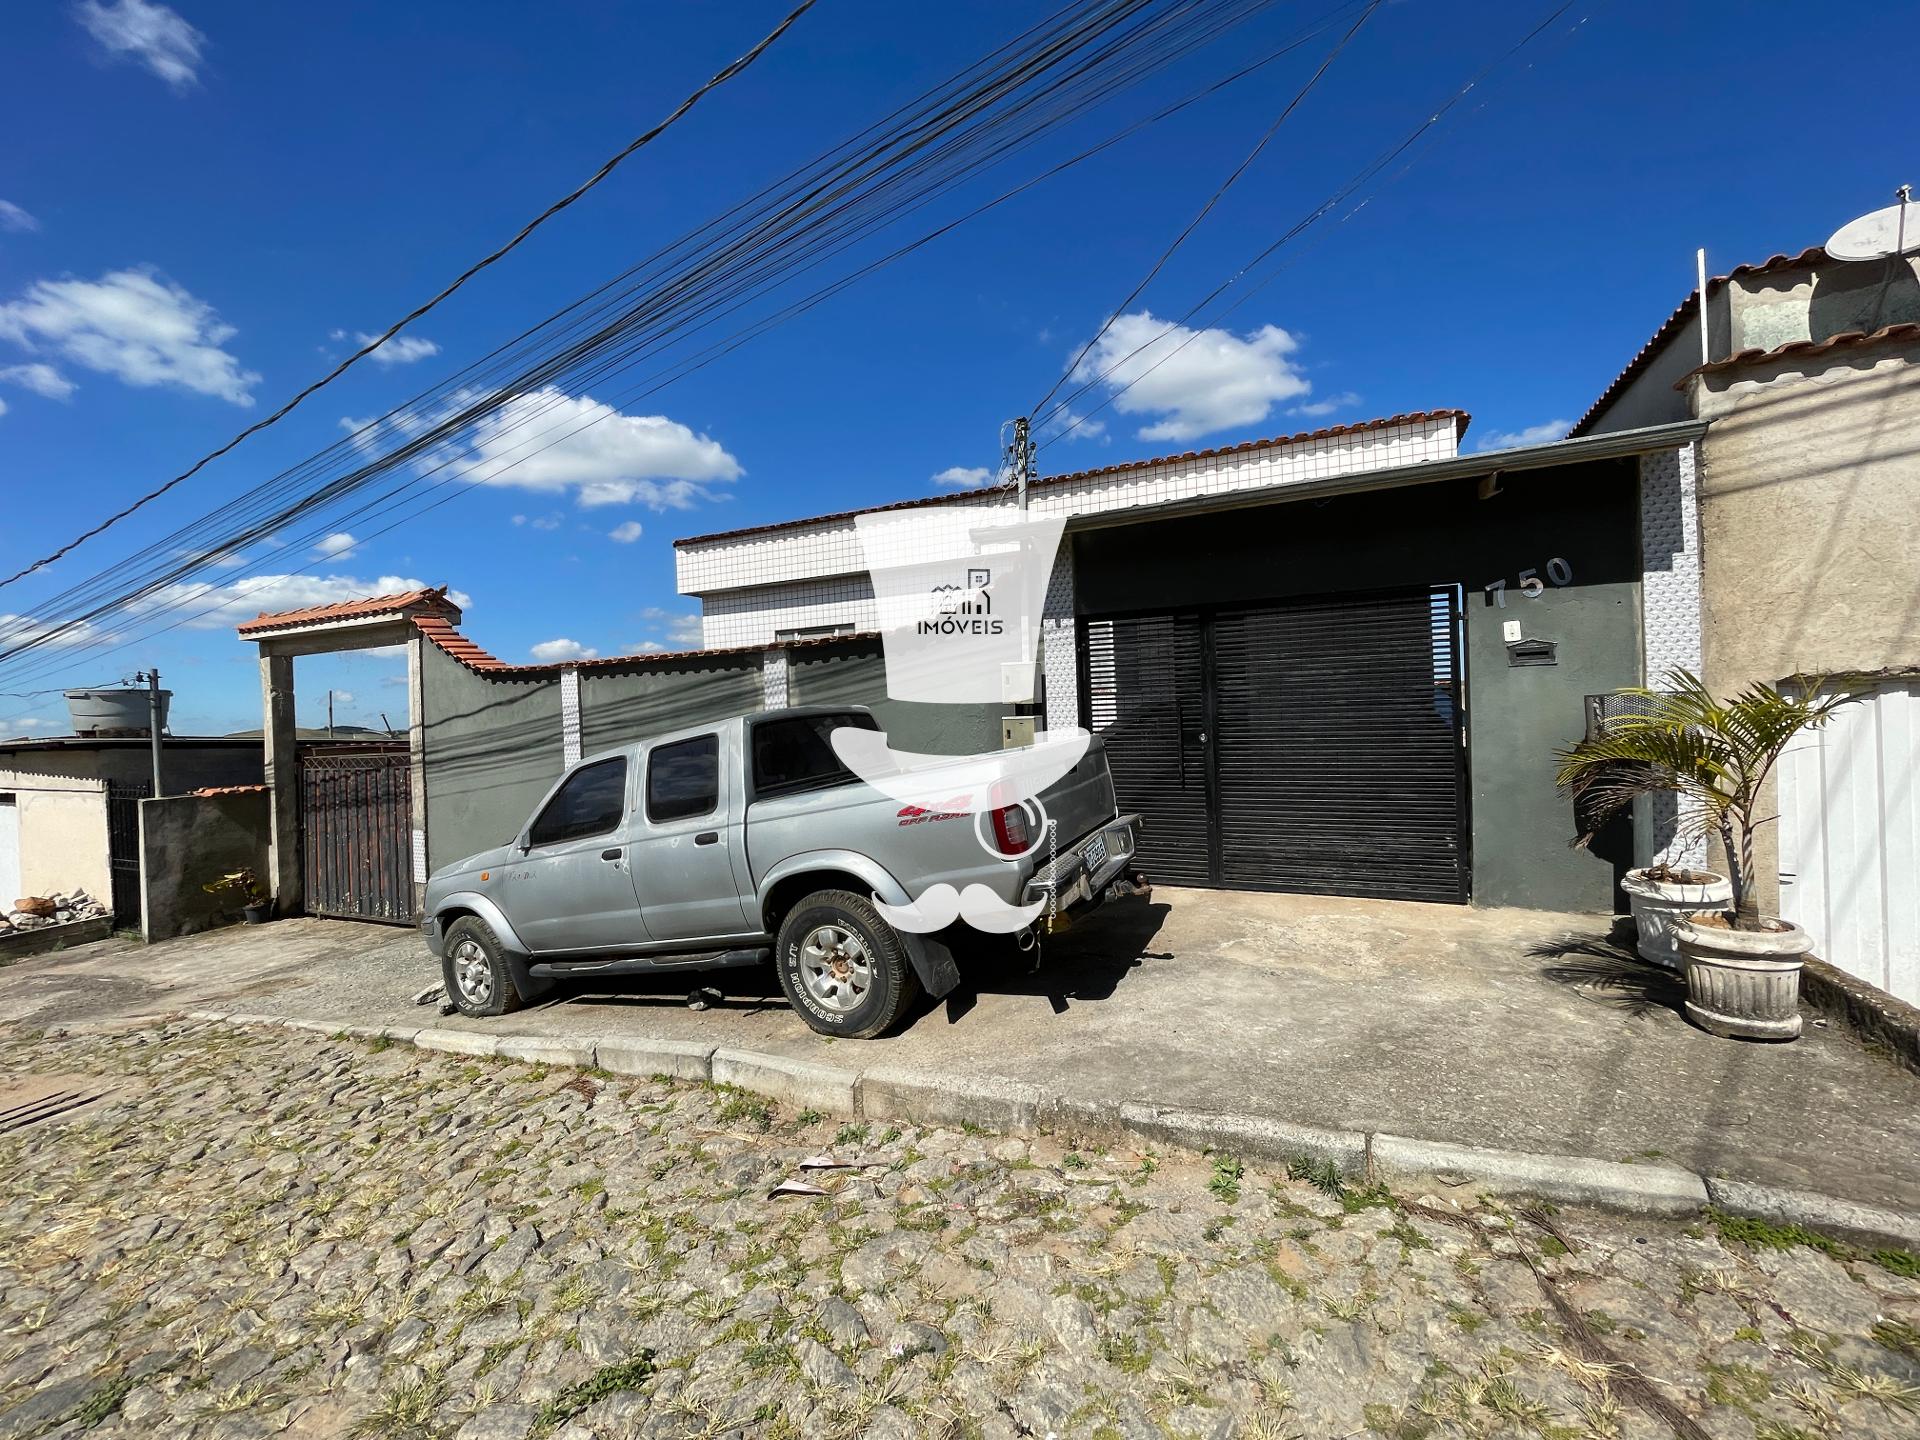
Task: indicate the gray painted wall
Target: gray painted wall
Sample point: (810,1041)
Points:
(618,709)
(186,841)
(856,674)
(494,744)
(1443,534)
(492,748)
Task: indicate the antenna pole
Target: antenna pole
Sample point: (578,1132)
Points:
(1700,268)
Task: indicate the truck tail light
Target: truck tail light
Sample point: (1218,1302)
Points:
(1010,830)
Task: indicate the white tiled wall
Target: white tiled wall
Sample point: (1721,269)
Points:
(1670,622)
(763,563)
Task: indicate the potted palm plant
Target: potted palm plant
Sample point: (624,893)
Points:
(1743,968)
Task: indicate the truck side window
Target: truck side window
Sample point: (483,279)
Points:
(796,752)
(590,803)
(683,779)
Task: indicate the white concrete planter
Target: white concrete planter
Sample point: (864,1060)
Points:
(1744,983)
(1658,903)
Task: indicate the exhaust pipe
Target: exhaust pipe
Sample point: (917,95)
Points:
(1026,939)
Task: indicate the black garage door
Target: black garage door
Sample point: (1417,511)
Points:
(1311,746)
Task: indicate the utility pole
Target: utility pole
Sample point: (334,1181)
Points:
(152,677)
(1020,458)
(329,713)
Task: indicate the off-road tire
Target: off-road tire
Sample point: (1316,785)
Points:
(892,984)
(498,995)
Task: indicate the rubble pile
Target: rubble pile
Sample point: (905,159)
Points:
(37,912)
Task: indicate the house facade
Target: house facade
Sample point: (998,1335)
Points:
(1809,517)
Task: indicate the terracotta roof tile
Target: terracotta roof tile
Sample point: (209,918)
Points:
(207,791)
(1805,349)
(1813,255)
(352,610)
(1460,418)
(450,640)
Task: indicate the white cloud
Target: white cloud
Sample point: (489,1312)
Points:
(541,522)
(963,477)
(343,697)
(1344,400)
(548,652)
(401,350)
(13,218)
(208,606)
(40,378)
(550,441)
(1198,382)
(646,647)
(151,34)
(1533,435)
(626,532)
(3,407)
(1071,424)
(17,629)
(683,630)
(133,325)
(332,546)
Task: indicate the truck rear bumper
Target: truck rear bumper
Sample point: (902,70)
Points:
(1080,876)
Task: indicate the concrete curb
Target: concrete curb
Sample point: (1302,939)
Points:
(888,1092)
(1867,1224)
(1636,1189)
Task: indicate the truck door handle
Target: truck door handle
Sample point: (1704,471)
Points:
(707,837)
(613,854)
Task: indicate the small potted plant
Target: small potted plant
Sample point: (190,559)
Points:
(1743,969)
(242,888)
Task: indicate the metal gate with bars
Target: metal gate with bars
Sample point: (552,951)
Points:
(123,848)
(1313,746)
(356,815)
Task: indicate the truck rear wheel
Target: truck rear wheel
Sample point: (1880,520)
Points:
(843,967)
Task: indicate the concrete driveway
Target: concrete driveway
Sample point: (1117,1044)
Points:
(1512,1029)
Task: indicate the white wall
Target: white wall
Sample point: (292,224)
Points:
(1850,838)
(63,835)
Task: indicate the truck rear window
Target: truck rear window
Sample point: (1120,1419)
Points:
(794,753)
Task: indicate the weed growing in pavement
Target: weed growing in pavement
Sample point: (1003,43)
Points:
(1225,1181)
(608,1380)
(1320,1174)
(1897,1336)
(1758,1234)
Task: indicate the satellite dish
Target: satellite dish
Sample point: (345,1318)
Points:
(1892,231)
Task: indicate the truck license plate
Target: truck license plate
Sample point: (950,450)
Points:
(1096,852)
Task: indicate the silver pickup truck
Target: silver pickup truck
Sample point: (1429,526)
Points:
(749,839)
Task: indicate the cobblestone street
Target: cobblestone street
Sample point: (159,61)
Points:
(268,1232)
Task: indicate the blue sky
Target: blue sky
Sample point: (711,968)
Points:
(213,197)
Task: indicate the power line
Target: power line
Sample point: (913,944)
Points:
(1212,200)
(861,192)
(605,170)
(1329,204)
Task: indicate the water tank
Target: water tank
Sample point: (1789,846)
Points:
(114,712)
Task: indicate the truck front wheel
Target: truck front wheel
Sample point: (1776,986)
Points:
(474,969)
(843,967)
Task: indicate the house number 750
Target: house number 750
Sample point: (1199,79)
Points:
(1531,585)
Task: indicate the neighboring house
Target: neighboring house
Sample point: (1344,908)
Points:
(1809,518)
(69,808)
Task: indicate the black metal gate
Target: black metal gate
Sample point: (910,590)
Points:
(123,848)
(356,814)
(1311,746)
